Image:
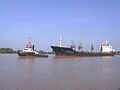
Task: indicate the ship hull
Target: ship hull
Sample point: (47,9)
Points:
(69,52)
(29,55)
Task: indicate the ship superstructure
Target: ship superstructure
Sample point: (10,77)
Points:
(30,48)
(107,48)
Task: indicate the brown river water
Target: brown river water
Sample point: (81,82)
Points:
(86,73)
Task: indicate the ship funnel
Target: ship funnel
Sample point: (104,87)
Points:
(33,47)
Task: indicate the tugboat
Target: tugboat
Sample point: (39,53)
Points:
(29,52)
(105,50)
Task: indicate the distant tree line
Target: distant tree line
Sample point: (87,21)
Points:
(10,50)
(7,50)
(117,53)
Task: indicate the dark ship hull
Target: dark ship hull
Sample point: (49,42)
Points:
(69,52)
(22,54)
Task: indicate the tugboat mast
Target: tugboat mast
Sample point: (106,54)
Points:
(30,41)
(106,42)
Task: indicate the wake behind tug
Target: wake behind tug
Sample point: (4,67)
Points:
(29,52)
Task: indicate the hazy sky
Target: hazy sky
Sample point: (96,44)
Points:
(87,21)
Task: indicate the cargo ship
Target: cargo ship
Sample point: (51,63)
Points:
(105,50)
(29,52)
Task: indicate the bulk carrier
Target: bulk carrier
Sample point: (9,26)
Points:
(105,50)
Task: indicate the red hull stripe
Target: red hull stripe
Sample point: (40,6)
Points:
(77,56)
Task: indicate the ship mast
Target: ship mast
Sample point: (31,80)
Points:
(106,42)
(72,45)
(60,41)
(30,41)
(92,48)
(80,46)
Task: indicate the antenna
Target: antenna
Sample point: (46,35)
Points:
(60,41)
